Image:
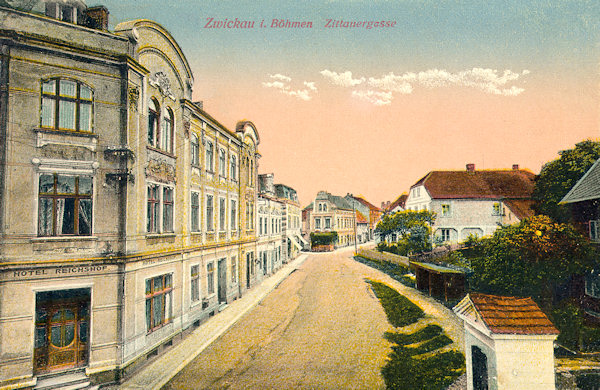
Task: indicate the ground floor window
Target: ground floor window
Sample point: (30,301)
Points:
(445,235)
(195,283)
(210,275)
(158,301)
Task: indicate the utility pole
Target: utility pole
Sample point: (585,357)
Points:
(354,221)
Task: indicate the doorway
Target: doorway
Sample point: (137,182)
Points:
(222,286)
(480,369)
(62,325)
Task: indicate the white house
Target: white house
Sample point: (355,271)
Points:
(509,343)
(473,202)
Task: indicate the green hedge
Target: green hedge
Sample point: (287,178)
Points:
(328,238)
(430,345)
(399,310)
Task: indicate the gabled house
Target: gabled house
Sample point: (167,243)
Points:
(330,213)
(397,205)
(584,199)
(473,202)
(368,210)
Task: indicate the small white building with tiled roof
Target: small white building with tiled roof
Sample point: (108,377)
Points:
(509,343)
(473,202)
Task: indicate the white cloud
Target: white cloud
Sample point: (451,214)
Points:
(375,97)
(342,79)
(393,83)
(281,77)
(310,85)
(284,87)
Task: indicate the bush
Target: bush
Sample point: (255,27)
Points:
(323,238)
(430,345)
(399,310)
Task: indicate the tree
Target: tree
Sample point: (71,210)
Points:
(413,227)
(559,176)
(532,258)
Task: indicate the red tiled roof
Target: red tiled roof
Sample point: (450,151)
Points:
(512,315)
(398,202)
(511,183)
(366,203)
(360,218)
(521,207)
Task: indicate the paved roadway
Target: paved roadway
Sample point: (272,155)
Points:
(321,328)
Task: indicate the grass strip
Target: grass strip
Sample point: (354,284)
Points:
(396,271)
(428,332)
(430,345)
(399,310)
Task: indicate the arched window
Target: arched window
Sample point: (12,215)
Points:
(209,156)
(222,163)
(153,121)
(66,105)
(195,150)
(233,168)
(166,137)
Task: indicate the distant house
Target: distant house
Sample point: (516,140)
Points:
(584,199)
(473,202)
(363,232)
(330,213)
(367,209)
(396,205)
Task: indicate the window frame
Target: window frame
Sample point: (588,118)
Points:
(233,167)
(57,98)
(233,214)
(209,156)
(446,210)
(167,221)
(222,163)
(166,297)
(222,214)
(77,197)
(210,213)
(195,283)
(210,278)
(195,150)
(196,221)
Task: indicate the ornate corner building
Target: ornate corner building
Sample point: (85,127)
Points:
(127,212)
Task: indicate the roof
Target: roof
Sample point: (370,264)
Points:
(521,208)
(587,188)
(367,203)
(507,315)
(436,268)
(485,184)
(400,201)
(337,201)
(309,207)
(360,218)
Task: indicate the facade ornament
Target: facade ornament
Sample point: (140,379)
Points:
(134,97)
(161,81)
(186,128)
(160,171)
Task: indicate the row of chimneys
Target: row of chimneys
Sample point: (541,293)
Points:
(471,167)
(92,17)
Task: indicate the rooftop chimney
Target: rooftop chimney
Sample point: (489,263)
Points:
(97,17)
(471,167)
(516,167)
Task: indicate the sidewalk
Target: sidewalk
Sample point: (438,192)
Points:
(165,367)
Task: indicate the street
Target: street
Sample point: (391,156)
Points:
(321,328)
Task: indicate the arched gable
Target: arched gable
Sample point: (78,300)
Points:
(246,130)
(157,50)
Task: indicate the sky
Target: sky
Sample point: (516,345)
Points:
(370,111)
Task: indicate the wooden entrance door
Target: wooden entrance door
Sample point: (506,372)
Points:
(222,287)
(61,331)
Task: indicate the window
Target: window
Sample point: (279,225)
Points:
(445,210)
(234,269)
(324,206)
(592,284)
(595,230)
(167,209)
(65,205)
(251,174)
(195,211)
(166,134)
(222,213)
(209,156)
(153,121)
(195,150)
(317,223)
(195,283)
(327,223)
(153,208)
(209,213)
(158,301)
(445,234)
(251,220)
(66,105)
(222,163)
(233,215)
(233,168)
(260,226)
(497,209)
(210,275)
(320,206)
